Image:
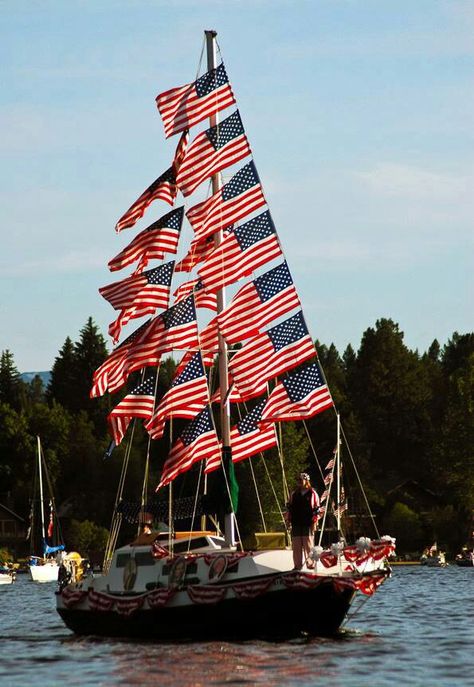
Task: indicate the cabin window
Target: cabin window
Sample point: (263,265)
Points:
(144,558)
(184,546)
(122,559)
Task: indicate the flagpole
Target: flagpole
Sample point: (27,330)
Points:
(221,303)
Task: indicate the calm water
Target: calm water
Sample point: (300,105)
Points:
(417,630)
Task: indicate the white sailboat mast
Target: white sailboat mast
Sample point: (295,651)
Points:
(40,469)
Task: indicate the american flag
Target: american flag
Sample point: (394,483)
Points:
(299,396)
(138,295)
(202,299)
(235,200)
(163,188)
(247,438)
(173,329)
(187,396)
(198,251)
(152,243)
(211,151)
(197,442)
(271,353)
(244,250)
(185,106)
(138,403)
(262,300)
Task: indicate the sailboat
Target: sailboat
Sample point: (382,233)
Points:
(202,582)
(45,567)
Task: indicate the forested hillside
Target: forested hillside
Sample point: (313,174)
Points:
(408,417)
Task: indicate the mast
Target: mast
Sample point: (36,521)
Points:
(43,533)
(221,303)
(338,476)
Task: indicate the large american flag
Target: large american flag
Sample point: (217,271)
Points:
(262,300)
(163,188)
(138,403)
(187,396)
(139,295)
(152,243)
(244,250)
(198,441)
(299,396)
(174,329)
(271,353)
(202,299)
(237,199)
(185,106)
(211,151)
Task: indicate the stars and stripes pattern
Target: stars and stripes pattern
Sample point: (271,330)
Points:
(183,107)
(271,353)
(174,329)
(138,403)
(138,295)
(202,299)
(218,147)
(198,441)
(152,243)
(237,199)
(164,188)
(244,250)
(187,395)
(299,396)
(258,303)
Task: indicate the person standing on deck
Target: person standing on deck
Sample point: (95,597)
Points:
(303,508)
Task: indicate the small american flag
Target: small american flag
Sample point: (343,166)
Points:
(299,396)
(185,106)
(187,395)
(244,250)
(262,300)
(211,151)
(173,329)
(152,243)
(202,299)
(237,199)
(163,188)
(197,442)
(138,403)
(198,251)
(139,295)
(271,353)
(247,438)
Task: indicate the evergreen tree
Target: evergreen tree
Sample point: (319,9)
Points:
(61,387)
(11,385)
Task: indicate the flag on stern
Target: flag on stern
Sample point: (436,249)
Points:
(183,107)
(138,403)
(269,354)
(299,396)
(152,243)
(262,300)
(235,200)
(211,151)
(198,441)
(246,248)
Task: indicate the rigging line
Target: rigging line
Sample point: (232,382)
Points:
(280,510)
(315,455)
(200,57)
(260,508)
(239,540)
(326,508)
(194,507)
(286,491)
(369,510)
(146,475)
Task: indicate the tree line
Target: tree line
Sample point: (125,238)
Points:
(408,418)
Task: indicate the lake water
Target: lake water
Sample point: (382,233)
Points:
(418,629)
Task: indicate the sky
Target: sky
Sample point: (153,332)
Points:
(359,114)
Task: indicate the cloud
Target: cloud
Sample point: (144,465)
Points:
(391,179)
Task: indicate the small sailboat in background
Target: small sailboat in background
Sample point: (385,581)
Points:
(44,567)
(7,574)
(433,557)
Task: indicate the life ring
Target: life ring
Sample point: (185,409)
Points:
(129,574)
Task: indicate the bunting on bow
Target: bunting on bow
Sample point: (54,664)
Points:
(187,396)
(197,442)
(235,200)
(202,299)
(138,403)
(211,151)
(269,354)
(176,328)
(183,107)
(138,295)
(299,396)
(244,250)
(163,188)
(266,298)
(152,243)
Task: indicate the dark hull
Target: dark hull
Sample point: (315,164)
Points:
(465,563)
(278,615)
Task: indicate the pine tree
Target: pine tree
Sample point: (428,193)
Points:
(61,387)
(11,385)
